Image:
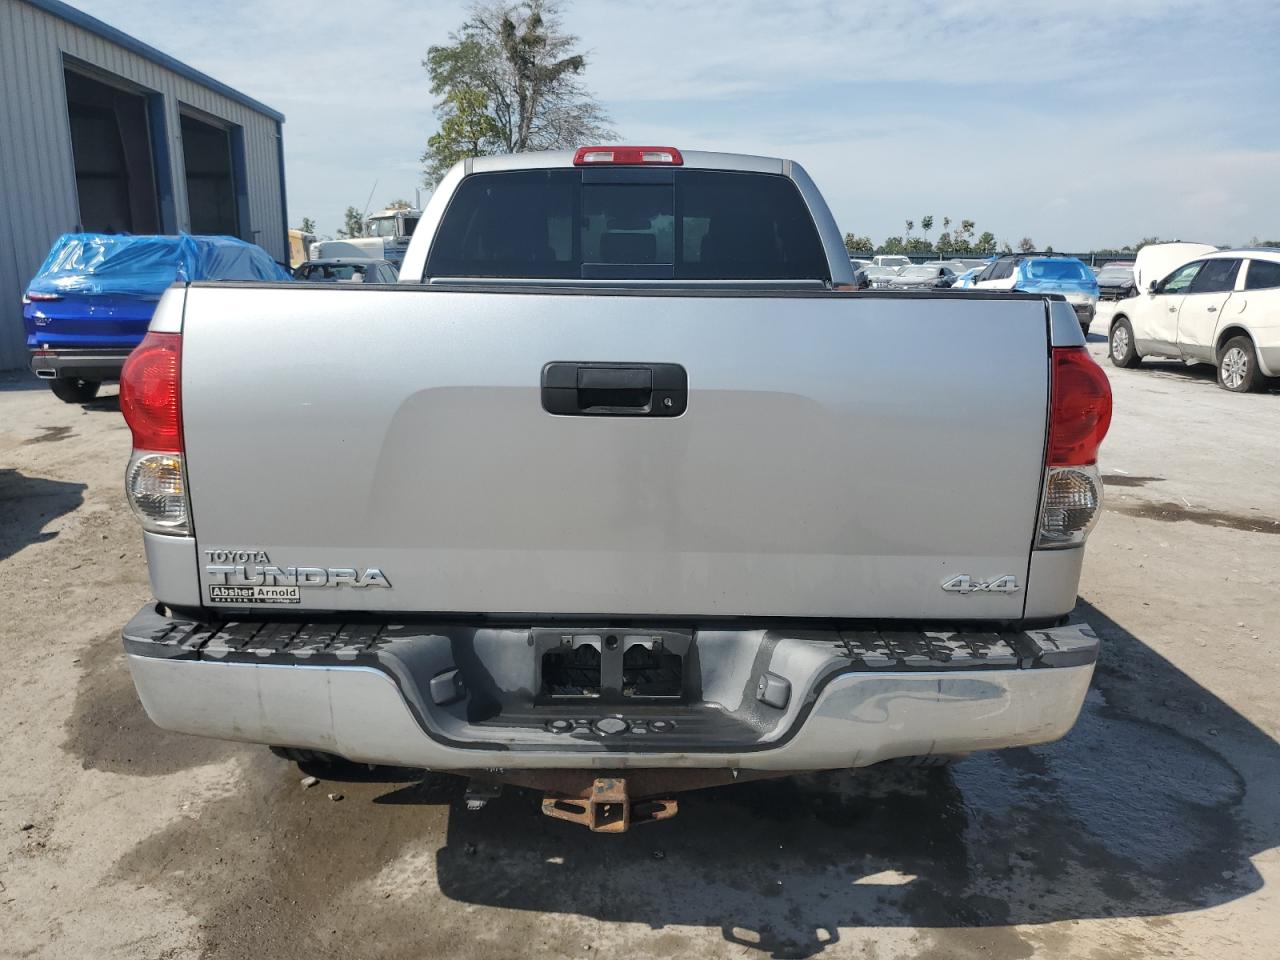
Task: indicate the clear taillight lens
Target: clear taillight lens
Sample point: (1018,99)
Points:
(1072,502)
(158,492)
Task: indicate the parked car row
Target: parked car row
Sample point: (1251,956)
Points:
(1014,272)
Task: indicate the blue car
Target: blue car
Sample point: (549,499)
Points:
(92,299)
(1032,273)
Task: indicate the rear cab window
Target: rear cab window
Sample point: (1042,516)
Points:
(628,223)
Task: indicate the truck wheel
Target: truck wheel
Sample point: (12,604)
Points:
(1238,366)
(1121,348)
(74,390)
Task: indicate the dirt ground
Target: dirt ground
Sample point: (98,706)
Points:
(1151,831)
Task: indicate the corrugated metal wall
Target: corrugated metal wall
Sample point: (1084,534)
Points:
(38,198)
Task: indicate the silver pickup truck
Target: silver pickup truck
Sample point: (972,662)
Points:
(618,492)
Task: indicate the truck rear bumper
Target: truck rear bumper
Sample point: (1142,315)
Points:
(786,700)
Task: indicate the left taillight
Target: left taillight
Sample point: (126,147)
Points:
(151,401)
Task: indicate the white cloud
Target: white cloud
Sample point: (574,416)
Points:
(1077,125)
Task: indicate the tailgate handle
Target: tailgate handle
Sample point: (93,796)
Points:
(575,389)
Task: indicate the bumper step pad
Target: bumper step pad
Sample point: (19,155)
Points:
(871,650)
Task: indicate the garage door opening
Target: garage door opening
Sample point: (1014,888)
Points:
(211,182)
(114,160)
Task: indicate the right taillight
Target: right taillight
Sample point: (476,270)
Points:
(151,401)
(1079,408)
(1079,416)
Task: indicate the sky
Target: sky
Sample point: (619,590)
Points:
(1081,125)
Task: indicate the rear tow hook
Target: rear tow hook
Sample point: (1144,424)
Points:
(607,808)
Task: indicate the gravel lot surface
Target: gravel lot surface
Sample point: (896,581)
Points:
(1151,831)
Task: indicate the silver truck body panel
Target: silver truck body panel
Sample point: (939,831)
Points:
(1052,580)
(175,568)
(1064,328)
(401,429)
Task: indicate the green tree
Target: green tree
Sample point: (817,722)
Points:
(985,244)
(1005,248)
(856,244)
(918,245)
(892,245)
(399,205)
(308,225)
(910,225)
(467,129)
(945,244)
(523,62)
(926,223)
(352,224)
(1027,245)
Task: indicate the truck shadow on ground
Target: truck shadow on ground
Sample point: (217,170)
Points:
(1136,813)
(28,504)
(1139,812)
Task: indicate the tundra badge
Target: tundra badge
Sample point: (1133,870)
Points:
(240,576)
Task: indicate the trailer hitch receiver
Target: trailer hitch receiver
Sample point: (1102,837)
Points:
(607,808)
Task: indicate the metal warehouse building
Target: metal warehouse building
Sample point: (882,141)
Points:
(100,132)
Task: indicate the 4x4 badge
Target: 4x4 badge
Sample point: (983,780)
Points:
(967,584)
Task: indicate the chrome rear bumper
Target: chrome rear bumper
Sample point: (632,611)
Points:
(853,698)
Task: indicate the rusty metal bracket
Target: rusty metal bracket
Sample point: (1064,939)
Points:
(607,808)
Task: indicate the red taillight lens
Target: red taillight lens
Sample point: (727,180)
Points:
(151,393)
(40,297)
(1080,408)
(627,156)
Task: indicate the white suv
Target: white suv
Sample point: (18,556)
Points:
(1223,308)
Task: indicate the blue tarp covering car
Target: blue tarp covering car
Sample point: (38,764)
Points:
(90,302)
